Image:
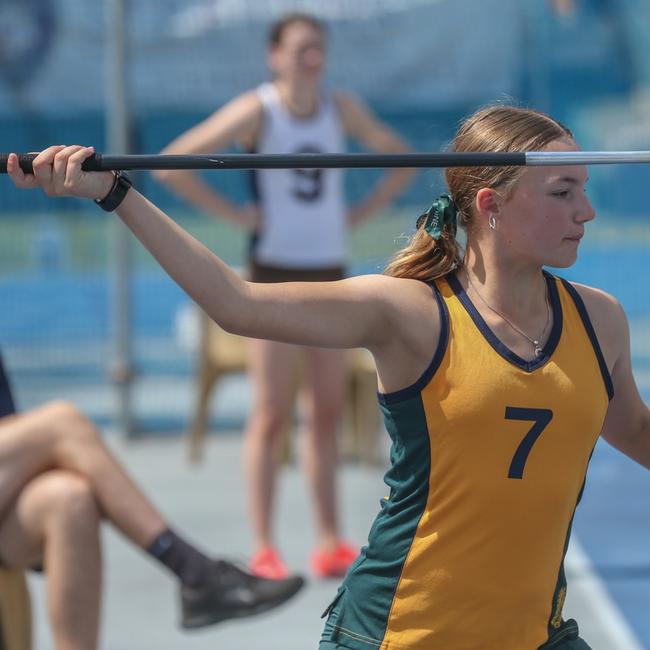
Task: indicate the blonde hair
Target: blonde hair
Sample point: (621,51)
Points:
(493,128)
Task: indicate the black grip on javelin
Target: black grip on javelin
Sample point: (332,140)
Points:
(91,164)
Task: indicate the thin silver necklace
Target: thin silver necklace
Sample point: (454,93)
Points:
(536,343)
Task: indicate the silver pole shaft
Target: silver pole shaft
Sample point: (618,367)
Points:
(545,158)
(117,138)
(102,162)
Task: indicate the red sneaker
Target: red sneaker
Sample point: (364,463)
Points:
(267,563)
(334,563)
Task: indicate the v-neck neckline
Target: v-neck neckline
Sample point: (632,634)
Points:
(493,339)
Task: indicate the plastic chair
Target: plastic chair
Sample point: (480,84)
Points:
(221,353)
(15,611)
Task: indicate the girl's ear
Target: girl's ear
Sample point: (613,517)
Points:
(488,201)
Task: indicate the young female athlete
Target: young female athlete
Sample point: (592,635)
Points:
(298,223)
(495,377)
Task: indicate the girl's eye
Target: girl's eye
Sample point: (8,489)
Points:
(562,194)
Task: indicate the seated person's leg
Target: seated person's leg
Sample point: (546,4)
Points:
(58,436)
(55,521)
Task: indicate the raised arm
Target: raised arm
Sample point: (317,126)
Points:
(362,125)
(367,311)
(238,121)
(344,314)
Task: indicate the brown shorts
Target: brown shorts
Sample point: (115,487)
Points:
(262,273)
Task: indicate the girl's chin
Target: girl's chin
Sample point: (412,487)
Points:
(563,262)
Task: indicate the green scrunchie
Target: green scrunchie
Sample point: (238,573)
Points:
(442,213)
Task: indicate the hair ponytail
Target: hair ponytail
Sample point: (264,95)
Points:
(425,258)
(433,251)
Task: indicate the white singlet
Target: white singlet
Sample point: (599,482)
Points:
(303,210)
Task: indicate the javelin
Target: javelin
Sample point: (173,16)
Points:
(99,162)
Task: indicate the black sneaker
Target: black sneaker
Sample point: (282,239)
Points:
(228,592)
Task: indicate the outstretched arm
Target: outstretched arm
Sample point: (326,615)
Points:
(341,314)
(357,312)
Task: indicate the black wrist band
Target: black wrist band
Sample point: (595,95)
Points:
(121,185)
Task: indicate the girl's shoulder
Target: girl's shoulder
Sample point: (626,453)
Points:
(599,303)
(608,319)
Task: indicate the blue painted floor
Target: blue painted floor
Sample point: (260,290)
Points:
(613,525)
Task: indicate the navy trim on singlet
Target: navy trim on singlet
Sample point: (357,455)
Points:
(495,342)
(591,333)
(425,378)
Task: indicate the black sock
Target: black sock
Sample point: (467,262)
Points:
(187,562)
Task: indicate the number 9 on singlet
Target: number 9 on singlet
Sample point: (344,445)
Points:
(307,183)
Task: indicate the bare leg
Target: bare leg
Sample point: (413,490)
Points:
(56,519)
(59,436)
(323,400)
(57,442)
(271,368)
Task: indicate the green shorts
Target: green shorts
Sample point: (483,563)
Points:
(572,644)
(566,638)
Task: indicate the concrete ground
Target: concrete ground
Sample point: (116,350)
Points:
(207,503)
